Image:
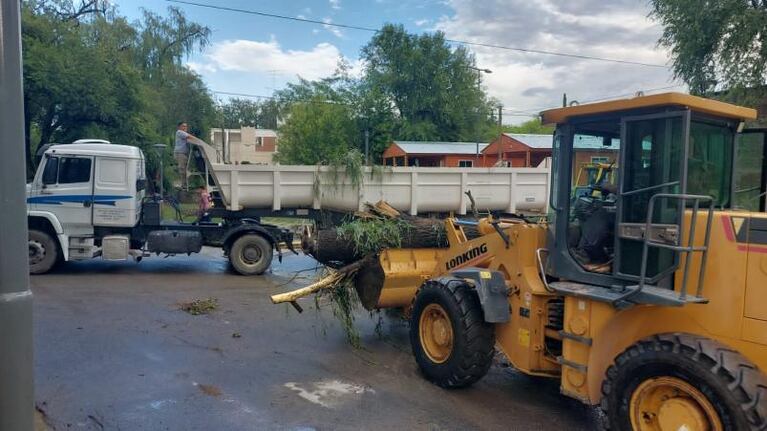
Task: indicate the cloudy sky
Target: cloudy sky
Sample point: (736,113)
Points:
(254,55)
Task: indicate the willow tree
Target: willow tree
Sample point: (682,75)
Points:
(716,44)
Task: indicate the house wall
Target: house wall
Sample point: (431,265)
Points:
(515,152)
(244,145)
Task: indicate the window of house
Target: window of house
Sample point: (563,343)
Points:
(600,160)
(465,164)
(259,141)
(74,170)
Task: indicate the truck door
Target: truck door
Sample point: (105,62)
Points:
(66,190)
(114,198)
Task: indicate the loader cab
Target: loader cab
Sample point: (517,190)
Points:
(675,154)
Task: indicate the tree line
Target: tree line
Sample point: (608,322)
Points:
(91,72)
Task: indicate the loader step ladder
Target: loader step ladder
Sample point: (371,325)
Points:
(642,292)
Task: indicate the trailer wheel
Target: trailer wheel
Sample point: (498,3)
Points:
(681,381)
(43,252)
(452,343)
(251,254)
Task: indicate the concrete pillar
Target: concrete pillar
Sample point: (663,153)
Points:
(16,378)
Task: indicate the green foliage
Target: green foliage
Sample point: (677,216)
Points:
(200,306)
(317,132)
(373,235)
(344,301)
(414,87)
(88,72)
(532,126)
(717,44)
(237,113)
(432,87)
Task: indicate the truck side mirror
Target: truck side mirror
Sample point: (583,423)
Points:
(51,171)
(140,185)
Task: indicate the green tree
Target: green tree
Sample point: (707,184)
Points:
(316,131)
(237,112)
(532,126)
(88,72)
(430,88)
(717,44)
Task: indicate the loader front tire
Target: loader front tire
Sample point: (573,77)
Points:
(251,254)
(452,343)
(681,381)
(43,252)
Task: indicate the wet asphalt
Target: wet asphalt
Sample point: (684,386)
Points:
(113,351)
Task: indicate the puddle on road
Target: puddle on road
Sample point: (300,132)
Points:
(329,393)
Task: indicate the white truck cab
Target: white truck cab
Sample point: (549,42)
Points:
(77,188)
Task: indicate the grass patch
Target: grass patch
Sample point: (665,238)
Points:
(291,223)
(200,306)
(188,212)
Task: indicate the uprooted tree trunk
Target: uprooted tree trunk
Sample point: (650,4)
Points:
(374,230)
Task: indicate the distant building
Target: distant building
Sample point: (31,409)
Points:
(429,153)
(518,150)
(246,145)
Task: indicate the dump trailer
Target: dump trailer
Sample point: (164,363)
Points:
(647,299)
(412,190)
(88,200)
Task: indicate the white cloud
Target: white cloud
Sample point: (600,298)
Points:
(421,22)
(335,30)
(335,4)
(201,67)
(254,56)
(619,29)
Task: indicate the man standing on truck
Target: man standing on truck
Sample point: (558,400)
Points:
(181,151)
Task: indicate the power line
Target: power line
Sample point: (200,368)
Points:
(462,42)
(259,96)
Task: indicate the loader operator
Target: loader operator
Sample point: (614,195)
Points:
(597,225)
(181,151)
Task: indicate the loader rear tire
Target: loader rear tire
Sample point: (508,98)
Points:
(660,380)
(43,252)
(452,343)
(251,254)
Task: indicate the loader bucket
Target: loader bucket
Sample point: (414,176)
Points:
(392,279)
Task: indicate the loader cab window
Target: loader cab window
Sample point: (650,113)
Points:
(592,198)
(750,171)
(652,164)
(710,160)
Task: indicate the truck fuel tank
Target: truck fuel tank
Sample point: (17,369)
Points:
(174,241)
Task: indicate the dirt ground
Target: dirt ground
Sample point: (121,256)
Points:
(115,352)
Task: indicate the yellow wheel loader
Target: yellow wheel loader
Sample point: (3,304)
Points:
(648,299)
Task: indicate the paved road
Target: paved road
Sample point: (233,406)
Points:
(113,351)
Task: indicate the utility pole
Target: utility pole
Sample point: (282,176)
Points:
(500,133)
(367,147)
(16,377)
(479,113)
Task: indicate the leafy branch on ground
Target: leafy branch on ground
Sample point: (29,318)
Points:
(200,306)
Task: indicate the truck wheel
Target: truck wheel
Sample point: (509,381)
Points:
(251,254)
(681,381)
(43,252)
(452,343)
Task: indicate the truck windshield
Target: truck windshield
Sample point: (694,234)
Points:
(709,164)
